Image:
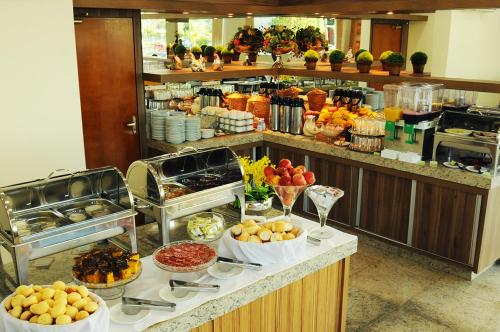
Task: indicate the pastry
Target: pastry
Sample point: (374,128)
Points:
(47,293)
(84,292)
(254,239)
(60,301)
(34,319)
(39,308)
(39,297)
(276,237)
(264,234)
(63,319)
(278,227)
(288,236)
(236,230)
(91,307)
(7,303)
(51,302)
(30,300)
(252,230)
(243,236)
(17,300)
(25,315)
(44,319)
(73,297)
(59,285)
(16,311)
(57,310)
(59,295)
(71,311)
(81,315)
(24,290)
(80,304)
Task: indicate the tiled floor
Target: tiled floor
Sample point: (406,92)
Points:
(390,292)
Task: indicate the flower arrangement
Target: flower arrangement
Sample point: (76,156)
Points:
(279,39)
(254,177)
(248,40)
(310,38)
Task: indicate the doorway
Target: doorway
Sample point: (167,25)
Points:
(108,67)
(388,35)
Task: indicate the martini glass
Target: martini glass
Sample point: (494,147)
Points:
(288,195)
(324,198)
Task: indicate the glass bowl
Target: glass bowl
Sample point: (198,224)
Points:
(205,226)
(189,251)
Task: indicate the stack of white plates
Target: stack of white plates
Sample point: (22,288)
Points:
(158,124)
(175,129)
(193,128)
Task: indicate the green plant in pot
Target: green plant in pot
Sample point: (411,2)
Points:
(364,62)
(310,38)
(383,60)
(248,40)
(209,53)
(361,50)
(336,58)
(180,51)
(219,49)
(311,57)
(197,51)
(418,61)
(395,62)
(227,55)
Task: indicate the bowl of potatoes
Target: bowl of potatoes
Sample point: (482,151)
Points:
(266,243)
(56,307)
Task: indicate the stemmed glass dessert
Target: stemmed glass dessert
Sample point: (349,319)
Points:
(324,198)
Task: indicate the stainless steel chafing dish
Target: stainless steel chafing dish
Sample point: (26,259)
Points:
(43,217)
(175,185)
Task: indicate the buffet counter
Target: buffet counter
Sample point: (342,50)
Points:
(444,212)
(309,294)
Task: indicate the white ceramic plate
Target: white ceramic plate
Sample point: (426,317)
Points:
(117,315)
(218,271)
(450,165)
(473,170)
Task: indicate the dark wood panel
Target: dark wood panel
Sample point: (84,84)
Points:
(338,175)
(444,221)
(108,94)
(385,205)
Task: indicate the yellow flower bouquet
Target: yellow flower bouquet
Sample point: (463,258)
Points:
(256,189)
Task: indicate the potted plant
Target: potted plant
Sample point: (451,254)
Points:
(395,62)
(278,39)
(197,51)
(383,60)
(258,194)
(364,62)
(361,50)
(248,40)
(311,57)
(336,59)
(209,53)
(310,38)
(218,49)
(180,51)
(227,55)
(418,61)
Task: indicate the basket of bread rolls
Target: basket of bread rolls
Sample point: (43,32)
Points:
(57,307)
(266,243)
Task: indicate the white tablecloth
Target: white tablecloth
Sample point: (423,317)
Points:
(152,279)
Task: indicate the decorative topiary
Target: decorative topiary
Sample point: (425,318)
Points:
(203,47)
(418,58)
(311,56)
(361,50)
(382,58)
(310,38)
(226,51)
(364,57)
(418,61)
(227,55)
(395,61)
(180,49)
(196,49)
(209,51)
(337,56)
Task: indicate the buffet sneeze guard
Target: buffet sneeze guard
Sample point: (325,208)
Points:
(43,217)
(176,185)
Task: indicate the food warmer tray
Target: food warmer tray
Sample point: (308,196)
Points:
(60,212)
(175,185)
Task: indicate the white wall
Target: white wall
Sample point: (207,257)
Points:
(40,119)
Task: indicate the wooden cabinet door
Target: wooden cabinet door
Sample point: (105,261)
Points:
(330,173)
(108,95)
(385,205)
(276,153)
(444,221)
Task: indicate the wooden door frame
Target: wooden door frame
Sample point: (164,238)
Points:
(404,33)
(135,15)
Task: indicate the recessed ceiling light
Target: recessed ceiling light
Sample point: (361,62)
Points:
(390,12)
(322,16)
(149,13)
(316,13)
(216,18)
(185,13)
(249,13)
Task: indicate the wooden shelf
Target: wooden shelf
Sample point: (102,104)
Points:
(322,71)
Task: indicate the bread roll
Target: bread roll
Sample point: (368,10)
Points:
(295,231)
(275,237)
(71,289)
(63,319)
(26,315)
(80,304)
(34,319)
(264,234)
(48,293)
(84,292)
(39,308)
(38,296)
(288,227)
(71,311)
(37,288)
(16,311)
(243,236)
(252,230)
(254,239)
(236,230)
(29,301)
(73,297)
(44,319)
(249,223)
(91,307)
(81,315)
(279,227)
(269,226)
(17,300)
(56,302)
(7,303)
(57,310)
(59,294)
(21,289)
(59,285)
(288,236)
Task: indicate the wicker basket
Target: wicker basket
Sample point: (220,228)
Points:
(237,101)
(317,99)
(259,106)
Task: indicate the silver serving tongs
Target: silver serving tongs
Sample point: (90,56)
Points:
(132,306)
(229,262)
(181,288)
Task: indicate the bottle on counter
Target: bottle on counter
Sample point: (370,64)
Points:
(286,115)
(203,101)
(274,114)
(297,116)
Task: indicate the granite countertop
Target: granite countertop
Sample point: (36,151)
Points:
(307,143)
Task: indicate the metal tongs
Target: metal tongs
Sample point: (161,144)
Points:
(230,263)
(181,288)
(132,306)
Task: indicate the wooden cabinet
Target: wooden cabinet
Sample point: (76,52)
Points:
(343,176)
(385,204)
(444,221)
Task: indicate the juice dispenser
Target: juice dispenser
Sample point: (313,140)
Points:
(392,109)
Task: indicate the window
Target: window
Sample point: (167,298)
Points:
(195,32)
(154,37)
